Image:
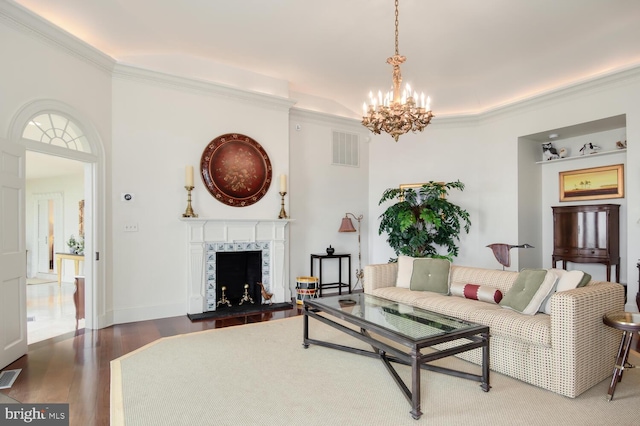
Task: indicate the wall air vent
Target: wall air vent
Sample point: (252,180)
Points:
(346,149)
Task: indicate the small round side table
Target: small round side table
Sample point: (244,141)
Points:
(629,323)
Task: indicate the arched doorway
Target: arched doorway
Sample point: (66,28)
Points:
(51,129)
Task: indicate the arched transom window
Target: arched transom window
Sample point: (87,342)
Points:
(57,130)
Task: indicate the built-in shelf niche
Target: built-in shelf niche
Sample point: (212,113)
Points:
(538,183)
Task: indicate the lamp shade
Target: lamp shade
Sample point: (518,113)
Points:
(346,225)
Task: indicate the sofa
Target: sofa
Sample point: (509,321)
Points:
(566,351)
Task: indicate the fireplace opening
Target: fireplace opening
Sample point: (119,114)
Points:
(234,270)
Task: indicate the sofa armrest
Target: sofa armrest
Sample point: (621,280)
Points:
(584,348)
(379,276)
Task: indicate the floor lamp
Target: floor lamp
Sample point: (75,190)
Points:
(347,226)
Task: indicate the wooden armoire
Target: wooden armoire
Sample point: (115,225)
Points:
(587,234)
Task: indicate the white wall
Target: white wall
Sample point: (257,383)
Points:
(321,193)
(43,63)
(483,153)
(551,195)
(157,131)
(152,126)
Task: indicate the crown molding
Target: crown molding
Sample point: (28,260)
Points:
(324,118)
(128,72)
(572,91)
(34,26)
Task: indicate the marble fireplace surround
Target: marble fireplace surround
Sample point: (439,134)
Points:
(207,236)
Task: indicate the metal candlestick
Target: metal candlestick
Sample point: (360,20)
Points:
(189,212)
(283,213)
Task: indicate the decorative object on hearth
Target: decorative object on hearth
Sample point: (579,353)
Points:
(283,192)
(236,170)
(223,298)
(502,252)
(266,296)
(188,185)
(423,221)
(347,226)
(331,250)
(398,112)
(245,296)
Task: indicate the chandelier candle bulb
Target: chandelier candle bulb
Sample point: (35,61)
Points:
(188,178)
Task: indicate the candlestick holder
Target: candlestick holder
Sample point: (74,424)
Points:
(189,211)
(283,213)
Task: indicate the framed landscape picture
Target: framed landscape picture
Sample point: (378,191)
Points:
(596,183)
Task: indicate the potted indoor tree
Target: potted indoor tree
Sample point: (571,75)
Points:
(422,221)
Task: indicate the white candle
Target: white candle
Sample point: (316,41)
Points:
(283,183)
(188,176)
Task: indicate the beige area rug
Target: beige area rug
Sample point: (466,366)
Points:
(259,374)
(4,399)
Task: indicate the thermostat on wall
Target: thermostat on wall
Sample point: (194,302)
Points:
(127,196)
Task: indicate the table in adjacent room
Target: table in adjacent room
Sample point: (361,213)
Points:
(77,258)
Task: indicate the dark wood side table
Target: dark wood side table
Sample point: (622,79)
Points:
(339,284)
(629,323)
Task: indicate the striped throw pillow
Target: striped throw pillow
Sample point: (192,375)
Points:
(483,293)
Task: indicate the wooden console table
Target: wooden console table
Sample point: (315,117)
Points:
(77,258)
(587,234)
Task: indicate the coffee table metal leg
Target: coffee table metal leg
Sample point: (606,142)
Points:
(306,328)
(415,385)
(485,364)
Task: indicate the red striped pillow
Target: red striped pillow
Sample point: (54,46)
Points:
(483,293)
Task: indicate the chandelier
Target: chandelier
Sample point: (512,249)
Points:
(398,112)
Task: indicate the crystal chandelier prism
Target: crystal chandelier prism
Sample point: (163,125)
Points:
(397,112)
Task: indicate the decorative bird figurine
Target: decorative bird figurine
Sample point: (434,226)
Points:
(265,295)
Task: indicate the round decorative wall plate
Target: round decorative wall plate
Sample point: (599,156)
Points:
(236,170)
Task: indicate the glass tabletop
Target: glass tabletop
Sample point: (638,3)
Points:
(412,322)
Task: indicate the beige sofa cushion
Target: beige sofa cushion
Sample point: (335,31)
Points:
(532,329)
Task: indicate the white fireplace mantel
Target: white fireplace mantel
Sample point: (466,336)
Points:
(203,231)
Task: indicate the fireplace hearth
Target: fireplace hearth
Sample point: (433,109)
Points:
(206,238)
(239,272)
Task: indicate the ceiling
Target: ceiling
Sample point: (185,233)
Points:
(470,56)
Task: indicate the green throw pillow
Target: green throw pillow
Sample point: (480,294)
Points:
(585,280)
(529,290)
(430,275)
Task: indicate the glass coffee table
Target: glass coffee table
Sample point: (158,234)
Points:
(412,329)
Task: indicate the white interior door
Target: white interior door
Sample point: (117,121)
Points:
(43,237)
(13,260)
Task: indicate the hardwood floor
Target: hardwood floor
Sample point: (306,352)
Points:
(74,368)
